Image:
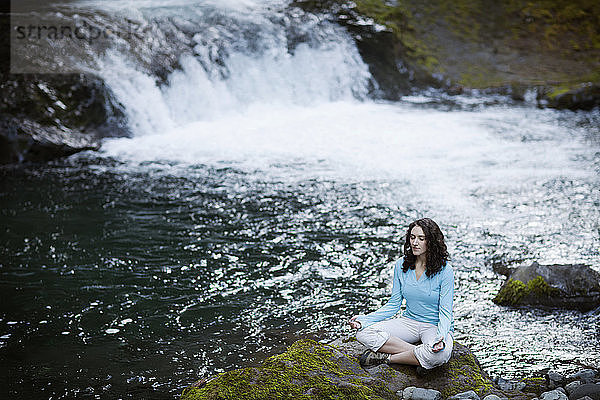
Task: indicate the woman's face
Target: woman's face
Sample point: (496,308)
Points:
(418,243)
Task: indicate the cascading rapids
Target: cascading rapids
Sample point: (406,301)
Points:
(196,61)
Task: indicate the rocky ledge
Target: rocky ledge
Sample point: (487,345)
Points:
(311,370)
(565,286)
(549,49)
(44,117)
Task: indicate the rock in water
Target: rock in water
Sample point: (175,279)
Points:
(43,117)
(26,140)
(587,389)
(568,286)
(311,370)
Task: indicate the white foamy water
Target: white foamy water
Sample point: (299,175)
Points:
(230,60)
(444,157)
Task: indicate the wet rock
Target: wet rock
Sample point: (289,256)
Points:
(587,389)
(24,140)
(585,376)
(469,395)
(39,111)
(556,378)
(570,387)
(554,395)
(567,286)
(315,370)
(504,384)
(583,97)
(378,46)
(502,268)
(414,393)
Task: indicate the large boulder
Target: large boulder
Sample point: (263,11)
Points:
(311,370)
(43,117)
(569,286)
(307,370)
(26,140)
(461,374)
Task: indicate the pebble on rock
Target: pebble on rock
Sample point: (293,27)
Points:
(493,397)
(470,395)
(415,393)
(554,395)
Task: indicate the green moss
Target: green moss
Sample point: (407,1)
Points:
(465,368)
(536,385)
(571,24)
(306,370)
(514,291)
(399,19)
(558,90)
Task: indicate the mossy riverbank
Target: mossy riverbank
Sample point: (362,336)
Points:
(311,370)
(552,47)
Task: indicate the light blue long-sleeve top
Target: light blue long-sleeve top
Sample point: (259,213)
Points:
(428,299)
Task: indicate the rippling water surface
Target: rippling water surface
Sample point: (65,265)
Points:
(164,258)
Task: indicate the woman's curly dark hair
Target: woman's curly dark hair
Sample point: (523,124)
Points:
(436,254)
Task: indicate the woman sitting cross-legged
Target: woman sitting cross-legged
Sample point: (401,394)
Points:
(422,336)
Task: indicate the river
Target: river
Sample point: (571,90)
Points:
(262,198)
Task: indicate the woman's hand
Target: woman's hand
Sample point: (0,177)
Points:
(439,346)
(354,324)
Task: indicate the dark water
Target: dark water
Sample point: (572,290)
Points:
(195,278)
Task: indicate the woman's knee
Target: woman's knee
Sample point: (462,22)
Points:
(361,336)
(428,359)
(439,358)
(372,338)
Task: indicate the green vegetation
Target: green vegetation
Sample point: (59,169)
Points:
(550,45)
(466,374)
(567,24)
(307,370)
(514,291)
(536,385)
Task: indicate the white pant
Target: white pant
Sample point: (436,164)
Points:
(410,331)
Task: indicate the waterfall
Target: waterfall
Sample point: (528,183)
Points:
(190,61)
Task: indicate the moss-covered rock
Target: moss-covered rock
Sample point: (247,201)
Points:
(310,370)
(307,370)
(583,96)
(462,373)
(536,384)
(508,47)
(568,286)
